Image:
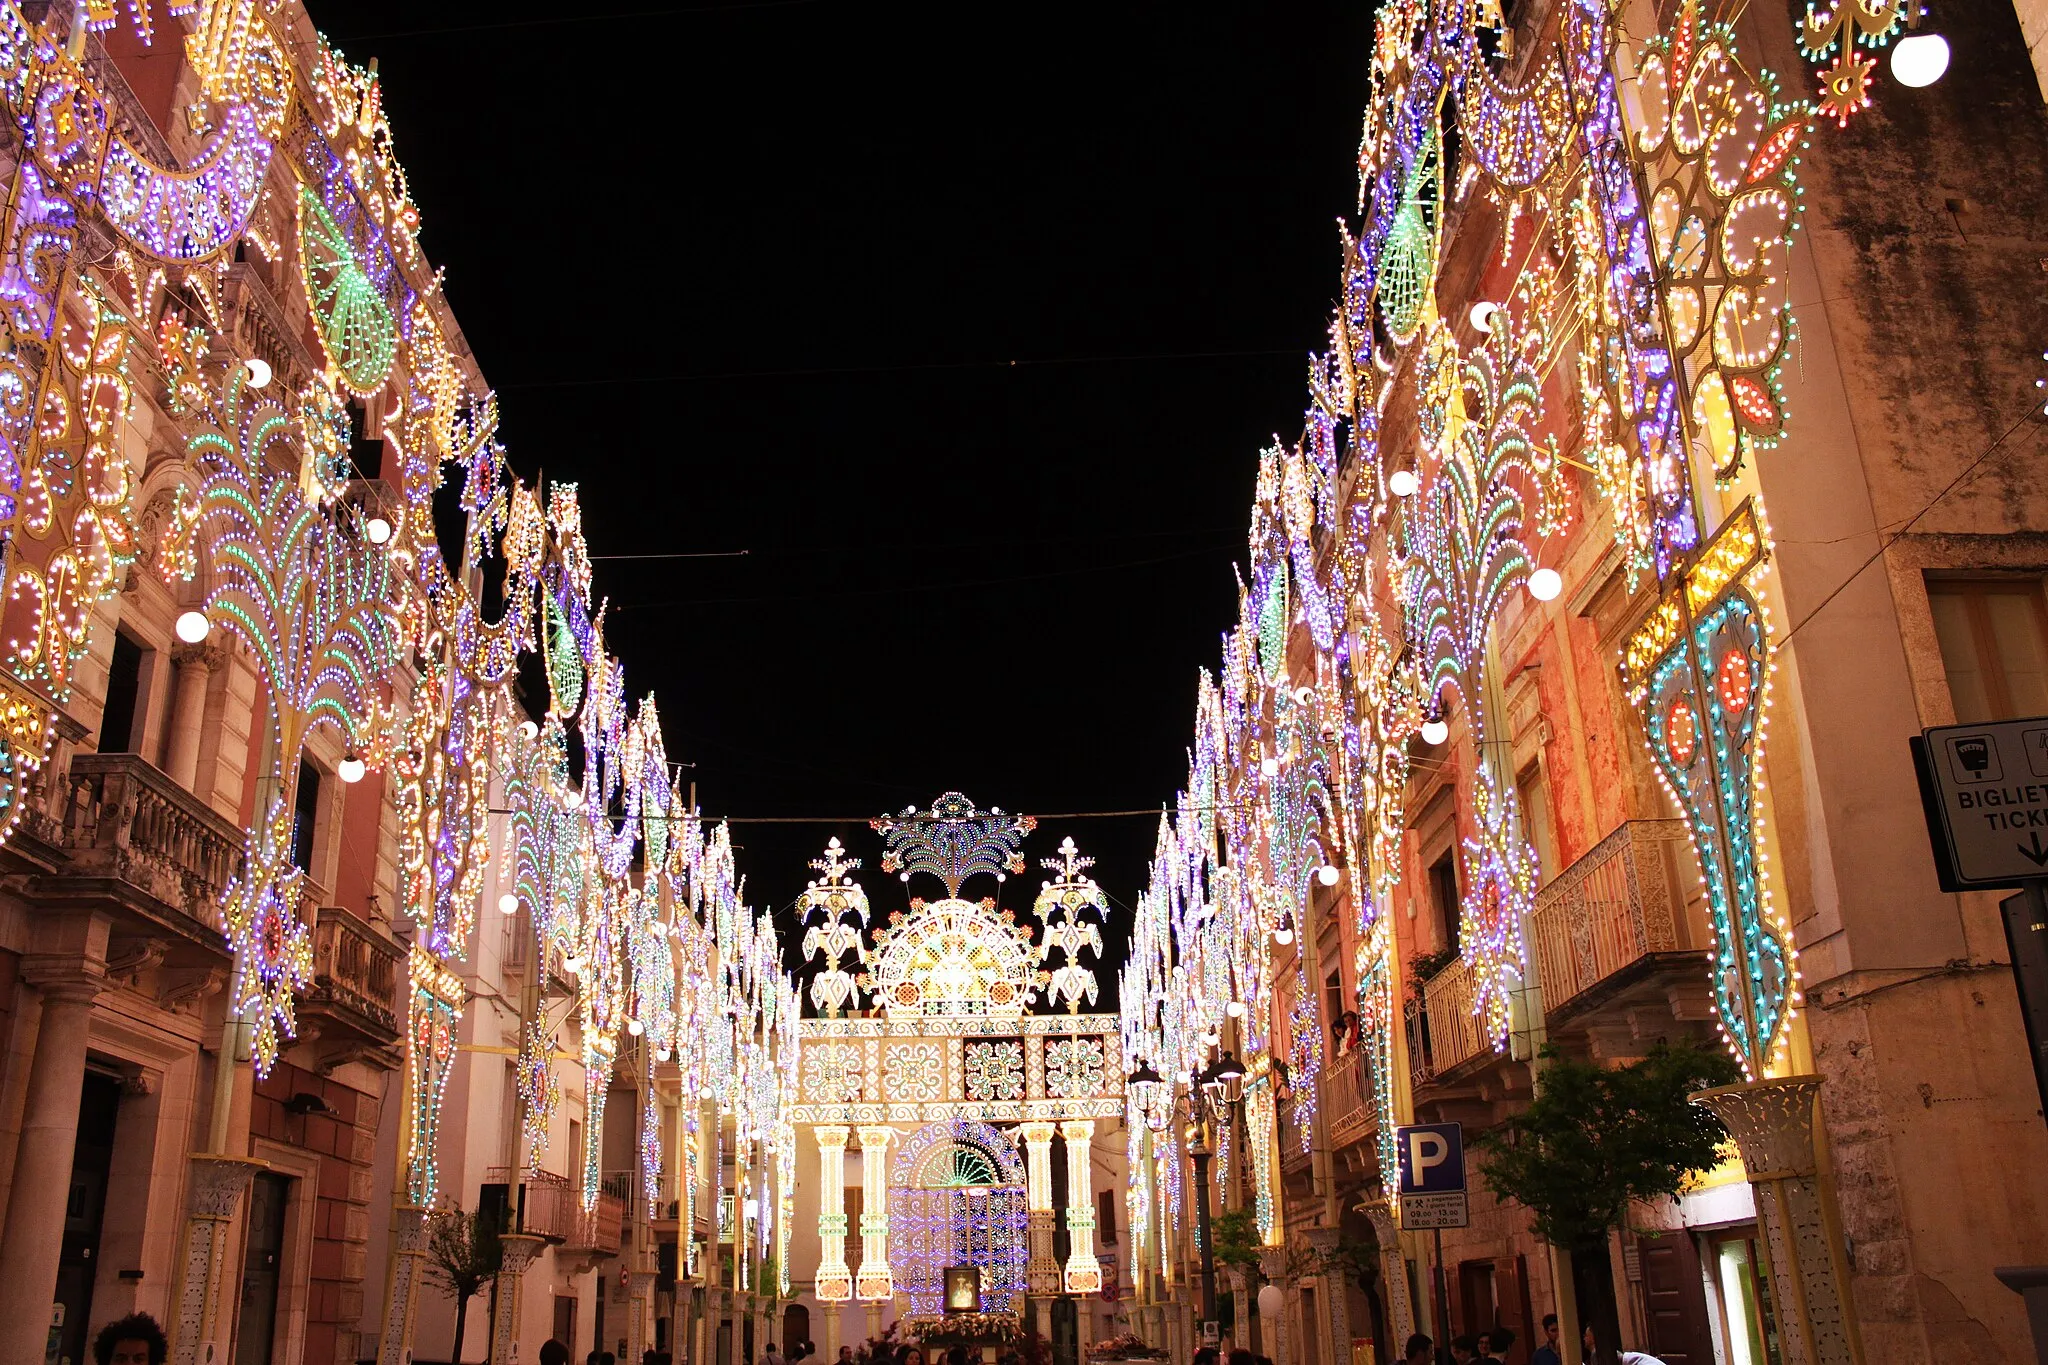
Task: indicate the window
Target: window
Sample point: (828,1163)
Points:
(365,446)
(305,811)
(124,685)
(1443,897)
(1994,646)
(1105,1217)
(1536,827)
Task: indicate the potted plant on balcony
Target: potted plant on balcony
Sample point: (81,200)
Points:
(1595,1138)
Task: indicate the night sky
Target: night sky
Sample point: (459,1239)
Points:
(966,323)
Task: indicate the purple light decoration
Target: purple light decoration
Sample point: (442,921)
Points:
(187,215)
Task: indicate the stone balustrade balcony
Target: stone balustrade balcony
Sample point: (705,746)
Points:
(132,841)
(354,1000)
(1619,938)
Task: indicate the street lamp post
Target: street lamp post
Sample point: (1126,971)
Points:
(1210,1101)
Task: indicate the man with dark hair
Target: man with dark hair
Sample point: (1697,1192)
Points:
(1547,1353)
(1418,1350)
(133,1340)
(553,1352)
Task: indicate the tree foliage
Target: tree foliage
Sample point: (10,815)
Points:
(463,1255)
(1235,1238)
(1596,1137)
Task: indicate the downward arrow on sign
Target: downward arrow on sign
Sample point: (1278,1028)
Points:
(2036,855)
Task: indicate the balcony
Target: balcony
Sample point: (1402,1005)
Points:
(1347,1099)
(599,1230)
(354,996)
(550,1200)
(1616,927)
(1443,1032)
(134,841)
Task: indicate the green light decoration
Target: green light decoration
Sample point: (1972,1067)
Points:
(356,326)
(1409,264)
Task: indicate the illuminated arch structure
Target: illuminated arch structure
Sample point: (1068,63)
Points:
(958,1198)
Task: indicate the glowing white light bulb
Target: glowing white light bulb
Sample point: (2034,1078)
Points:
(529,729)
(1327,875)
(1235,1009)
(1482,316)
(508,904)
(1545,584)
(635,1027)
(1919,59)
(259,371)
(1269,767)
(350,769)
(572,964)
(193,627)
(1283,936)
(1402,483)
(1435,732)
(661,1054)
(376,530)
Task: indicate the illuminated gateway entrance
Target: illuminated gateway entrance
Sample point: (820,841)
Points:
(948,1082)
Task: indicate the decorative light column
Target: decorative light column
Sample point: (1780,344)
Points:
(834,1284)
(875,1285)
(1393,1269)
(1041,1272)
(1084,1272)
(520,1249)
(1772,1124)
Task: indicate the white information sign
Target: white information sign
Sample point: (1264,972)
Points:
(1987,797)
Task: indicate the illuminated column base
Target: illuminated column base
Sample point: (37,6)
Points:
(1772,1124)
(1274,1337)
(1393,1269)
(402,1283)
(520,1248)
(203,1302)
(1084,1272)
(1336,1303)
(874,1284)
(874,1321)
(829,1348)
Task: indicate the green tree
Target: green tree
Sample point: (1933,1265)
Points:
(1593,1139)
(463,1255)
(1234,1236)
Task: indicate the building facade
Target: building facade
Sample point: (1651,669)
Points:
(1664,396)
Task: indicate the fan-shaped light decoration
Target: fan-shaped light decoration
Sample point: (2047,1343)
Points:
(354,322)
(953,957)
(953,841)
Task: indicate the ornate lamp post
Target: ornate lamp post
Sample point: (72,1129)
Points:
(1217,1090)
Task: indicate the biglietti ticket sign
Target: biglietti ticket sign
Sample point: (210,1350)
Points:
(1985,788)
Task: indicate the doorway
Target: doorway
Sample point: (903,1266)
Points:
(1749,1320)
(796,1329)
(78,1262)
(565,1321)
(256,1328)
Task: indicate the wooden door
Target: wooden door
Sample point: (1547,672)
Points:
(1512,1309)
(1674,1300)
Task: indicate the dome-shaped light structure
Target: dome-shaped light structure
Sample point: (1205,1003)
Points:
(351,769)
(508,904)
(1435,731)
(1545,584)
(1402,483)
(1919,59)
(192,626)
(1235,1009)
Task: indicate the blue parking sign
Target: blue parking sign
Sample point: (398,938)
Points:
(1432,1175)
(1432,1158)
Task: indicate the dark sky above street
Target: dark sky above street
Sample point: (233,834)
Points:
(965,323)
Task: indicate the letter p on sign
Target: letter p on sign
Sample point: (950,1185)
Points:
(1432,1158)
